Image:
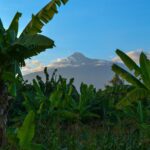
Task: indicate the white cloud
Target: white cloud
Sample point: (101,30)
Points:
(36,65)
(32,66)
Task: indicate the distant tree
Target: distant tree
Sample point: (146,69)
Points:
(116,80)
(116,89)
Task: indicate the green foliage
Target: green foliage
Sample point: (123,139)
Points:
(26,132)
(127,76)
(30,45)
(58,98)
(87,101)
(42,17)
(57,116)
(15,23)
(133,96)
(15,49)
(140,83)
(145,69)
(129,62)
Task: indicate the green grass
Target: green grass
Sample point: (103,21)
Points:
(91,137)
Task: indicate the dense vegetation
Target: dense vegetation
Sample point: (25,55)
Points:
(53,114)
(14,49)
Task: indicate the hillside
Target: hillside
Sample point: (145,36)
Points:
(83,69)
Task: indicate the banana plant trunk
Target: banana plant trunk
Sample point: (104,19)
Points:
(4,99)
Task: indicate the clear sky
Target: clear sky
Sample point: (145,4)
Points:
(93,27)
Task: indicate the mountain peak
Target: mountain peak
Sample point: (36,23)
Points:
(77,59)
(82,68)
(78,55)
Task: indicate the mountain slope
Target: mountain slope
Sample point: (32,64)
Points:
(83,69)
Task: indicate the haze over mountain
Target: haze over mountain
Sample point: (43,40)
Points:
(82,69)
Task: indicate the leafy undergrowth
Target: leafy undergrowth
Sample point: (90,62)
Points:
(88,137)
(53,115)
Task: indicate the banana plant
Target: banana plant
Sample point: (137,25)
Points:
(14,49)
(26,134)
(139,78)
(82,108)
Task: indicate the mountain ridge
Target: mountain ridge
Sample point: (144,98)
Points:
(83,69)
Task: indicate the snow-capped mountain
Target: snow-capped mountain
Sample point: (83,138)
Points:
(82,69)
(76,60)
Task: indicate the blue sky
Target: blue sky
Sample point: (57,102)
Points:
(95,28)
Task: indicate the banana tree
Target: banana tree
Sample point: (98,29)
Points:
(15,49)
(139,78)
